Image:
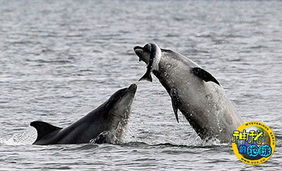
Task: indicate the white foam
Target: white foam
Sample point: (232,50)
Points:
(27,137)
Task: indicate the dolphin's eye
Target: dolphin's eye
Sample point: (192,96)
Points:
(147,48)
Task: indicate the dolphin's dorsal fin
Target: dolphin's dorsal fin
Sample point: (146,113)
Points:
(174,101)
(43,128)
(204,75)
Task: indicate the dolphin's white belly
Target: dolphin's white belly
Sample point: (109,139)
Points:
(204,104)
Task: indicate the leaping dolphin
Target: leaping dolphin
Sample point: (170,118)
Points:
(194,91)
(105,124)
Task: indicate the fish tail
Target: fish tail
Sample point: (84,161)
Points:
(147,76)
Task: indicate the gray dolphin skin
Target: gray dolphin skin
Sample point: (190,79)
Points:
(196,93)
(105,124)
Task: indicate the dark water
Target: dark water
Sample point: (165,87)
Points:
(61,59)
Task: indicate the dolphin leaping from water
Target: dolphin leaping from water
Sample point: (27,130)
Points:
(193,91)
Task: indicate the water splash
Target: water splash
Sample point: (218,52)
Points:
(26,137)
(114,136)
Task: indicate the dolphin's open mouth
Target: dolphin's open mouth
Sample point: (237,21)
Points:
(150,50)
(136,48)
(138,51)
(143,53)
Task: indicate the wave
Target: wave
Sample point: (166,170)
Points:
(29,135)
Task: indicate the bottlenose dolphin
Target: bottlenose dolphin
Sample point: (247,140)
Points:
(105,124)
(195,92)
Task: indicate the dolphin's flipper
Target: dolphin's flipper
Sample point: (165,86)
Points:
(204,75)
(147,76)
(174,101)
(43,128)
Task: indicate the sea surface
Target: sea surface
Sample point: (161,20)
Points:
(61,59)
